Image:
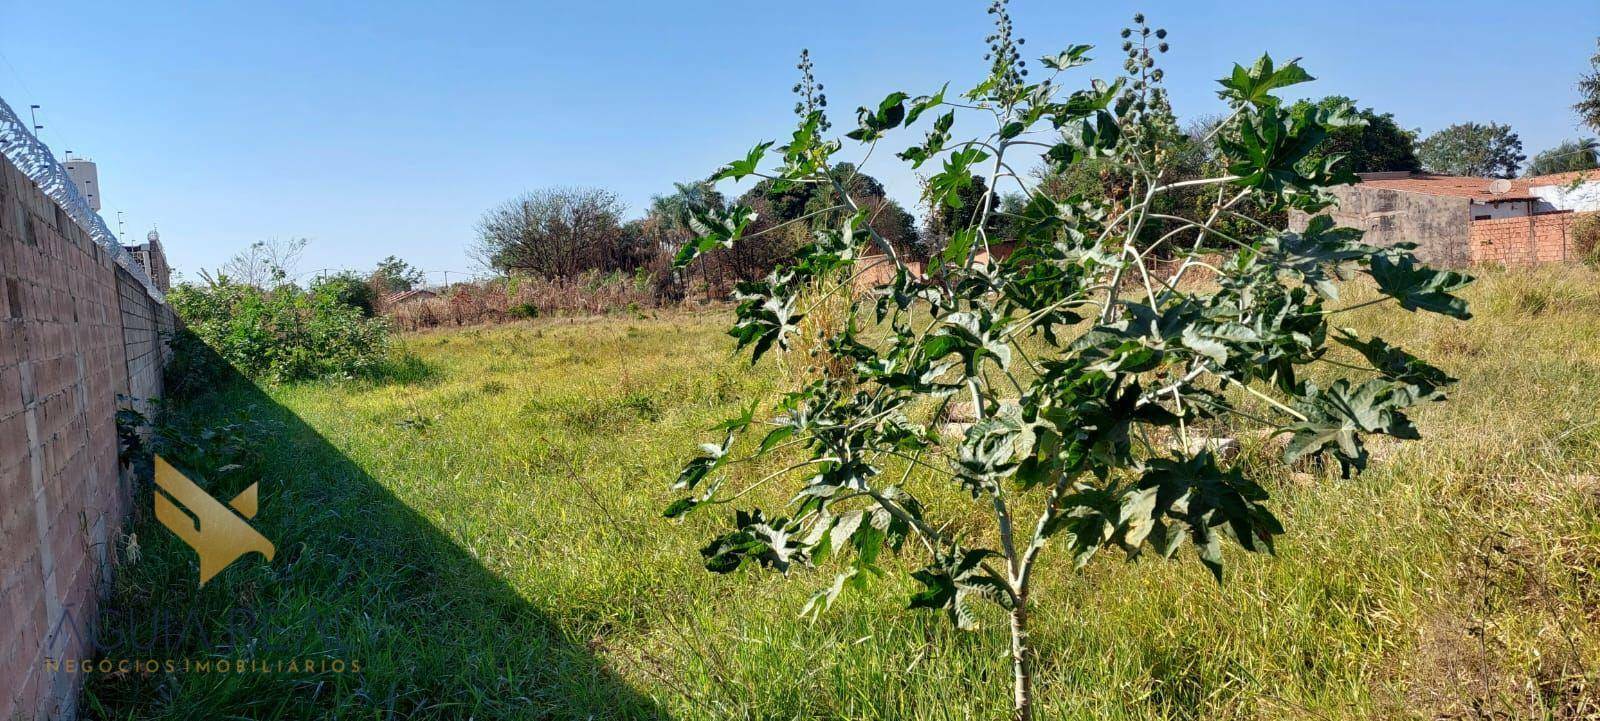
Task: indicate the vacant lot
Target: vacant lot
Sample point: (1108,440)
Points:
(482,534)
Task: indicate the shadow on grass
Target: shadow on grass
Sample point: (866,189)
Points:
(394,619)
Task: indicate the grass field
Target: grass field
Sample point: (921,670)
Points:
(481,532)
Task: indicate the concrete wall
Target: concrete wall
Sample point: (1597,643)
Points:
(1439,225)
(1584,196)
(1524,241)
(76,332)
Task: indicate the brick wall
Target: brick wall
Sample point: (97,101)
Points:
(76,332)
(1523,241)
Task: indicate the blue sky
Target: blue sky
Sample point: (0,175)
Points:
(387,128)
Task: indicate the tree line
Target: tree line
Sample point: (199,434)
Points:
(566,231)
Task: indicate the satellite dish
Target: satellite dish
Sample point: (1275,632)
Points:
(1500,186)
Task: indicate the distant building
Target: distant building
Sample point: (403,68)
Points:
(153,259)
(1458,221)
(408,296)
(86,177)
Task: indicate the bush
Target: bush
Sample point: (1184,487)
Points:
(283,334)
(1586,237)
(348,288)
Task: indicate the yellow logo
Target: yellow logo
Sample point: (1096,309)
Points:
(210,528)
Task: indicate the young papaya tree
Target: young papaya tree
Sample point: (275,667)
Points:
(1087,372)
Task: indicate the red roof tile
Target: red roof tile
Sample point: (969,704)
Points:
(1452,185)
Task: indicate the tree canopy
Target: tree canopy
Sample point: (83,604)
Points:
(1485,150)
(393,275)
(1578,154)
(1378,145)
(557,232)
(1588,105)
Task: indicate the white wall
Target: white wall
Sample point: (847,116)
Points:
(1495,211)
(1586,196)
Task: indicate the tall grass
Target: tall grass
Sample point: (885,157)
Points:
(492,547)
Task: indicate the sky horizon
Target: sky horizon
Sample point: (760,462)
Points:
(389,132)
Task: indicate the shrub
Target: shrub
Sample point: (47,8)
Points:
(348,288)
(1092,382)
(521,297)
(282,334)
(1586,237)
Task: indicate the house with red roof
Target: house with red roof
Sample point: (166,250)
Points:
(1457,221)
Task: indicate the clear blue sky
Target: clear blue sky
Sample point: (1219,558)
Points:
(389,127)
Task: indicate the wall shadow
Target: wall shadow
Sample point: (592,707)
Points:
(393,618)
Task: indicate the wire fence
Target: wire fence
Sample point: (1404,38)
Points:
(33,157)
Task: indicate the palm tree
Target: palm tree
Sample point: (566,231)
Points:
(1580,154)
(670,215)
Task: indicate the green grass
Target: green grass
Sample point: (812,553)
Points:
(483,533)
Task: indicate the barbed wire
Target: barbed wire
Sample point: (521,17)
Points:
(35,160)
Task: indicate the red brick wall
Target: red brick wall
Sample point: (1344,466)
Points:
(1523,241)
(877,270)
(64,338)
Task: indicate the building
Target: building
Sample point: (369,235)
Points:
(1457,221)
(408,296)
(86,177)
(153,259)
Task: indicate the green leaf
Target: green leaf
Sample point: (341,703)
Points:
(1419,287)
(924,104)
(1336,417)
(959,249)
(933,144)
(890,113)
(1422,380)
(1255,85)
(717,229)
(739,422)
(823,600)
(772,544)
(951,582)
(680,507)
(946,187)
(1072,57)
(738,169)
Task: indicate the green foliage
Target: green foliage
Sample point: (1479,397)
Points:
(283,334)
(1075,425)
(1372,570)
(1177,155)
(1255,86)
(347,288)
(1378,145)
(394,275)
(1570,155)
(1588,105)
(1473,149)
(1586,237)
